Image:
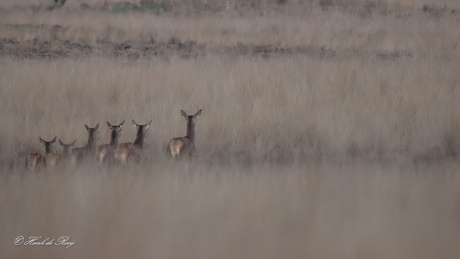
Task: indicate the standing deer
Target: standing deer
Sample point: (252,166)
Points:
(108,150)
(37,160)
(184,146)
(132,150)
(66,149)
(78,153)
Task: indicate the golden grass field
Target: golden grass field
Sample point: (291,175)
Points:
(330,129)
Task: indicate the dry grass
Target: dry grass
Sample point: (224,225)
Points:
(378,109)
(298,156)
(409,30)
(230,4)
(352,211)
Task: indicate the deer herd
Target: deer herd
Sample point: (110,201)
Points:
(113,152)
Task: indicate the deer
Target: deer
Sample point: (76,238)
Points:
(132,150)
(184,146)
(104,151)
(66,148)
(37,160)
(78,153)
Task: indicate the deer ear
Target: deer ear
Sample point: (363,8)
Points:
(134,122)
(121,124)
(87,128)
(183,113)
(60,142)
(197,114)
(54,140)
(73,143)
(41,140)
(146,126)
(97,126)
(110,125)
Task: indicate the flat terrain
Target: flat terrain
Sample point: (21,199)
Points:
(330,129)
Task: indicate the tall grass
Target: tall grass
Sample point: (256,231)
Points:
(375,108)
(273,176)
(162,211)
(416,32)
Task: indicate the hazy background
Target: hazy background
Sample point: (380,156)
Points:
(329,128)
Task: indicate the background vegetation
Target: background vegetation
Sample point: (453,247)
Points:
(329,128)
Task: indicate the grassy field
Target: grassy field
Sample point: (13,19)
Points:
(295,106)
(162,211)
(330,129)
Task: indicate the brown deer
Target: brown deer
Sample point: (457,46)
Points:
(78,153)
(132,150)
(108,150)
(37,160)
(184,146)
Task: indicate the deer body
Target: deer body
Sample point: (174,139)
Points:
(66,150)
(36,160)
(132,150)
(52,159)
(79,153)
(108,150)
(184,146)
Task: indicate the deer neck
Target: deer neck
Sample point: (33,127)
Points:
(48,149)
(114,138)
(190,130)
(91,142)
(139,141)
(66,152)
